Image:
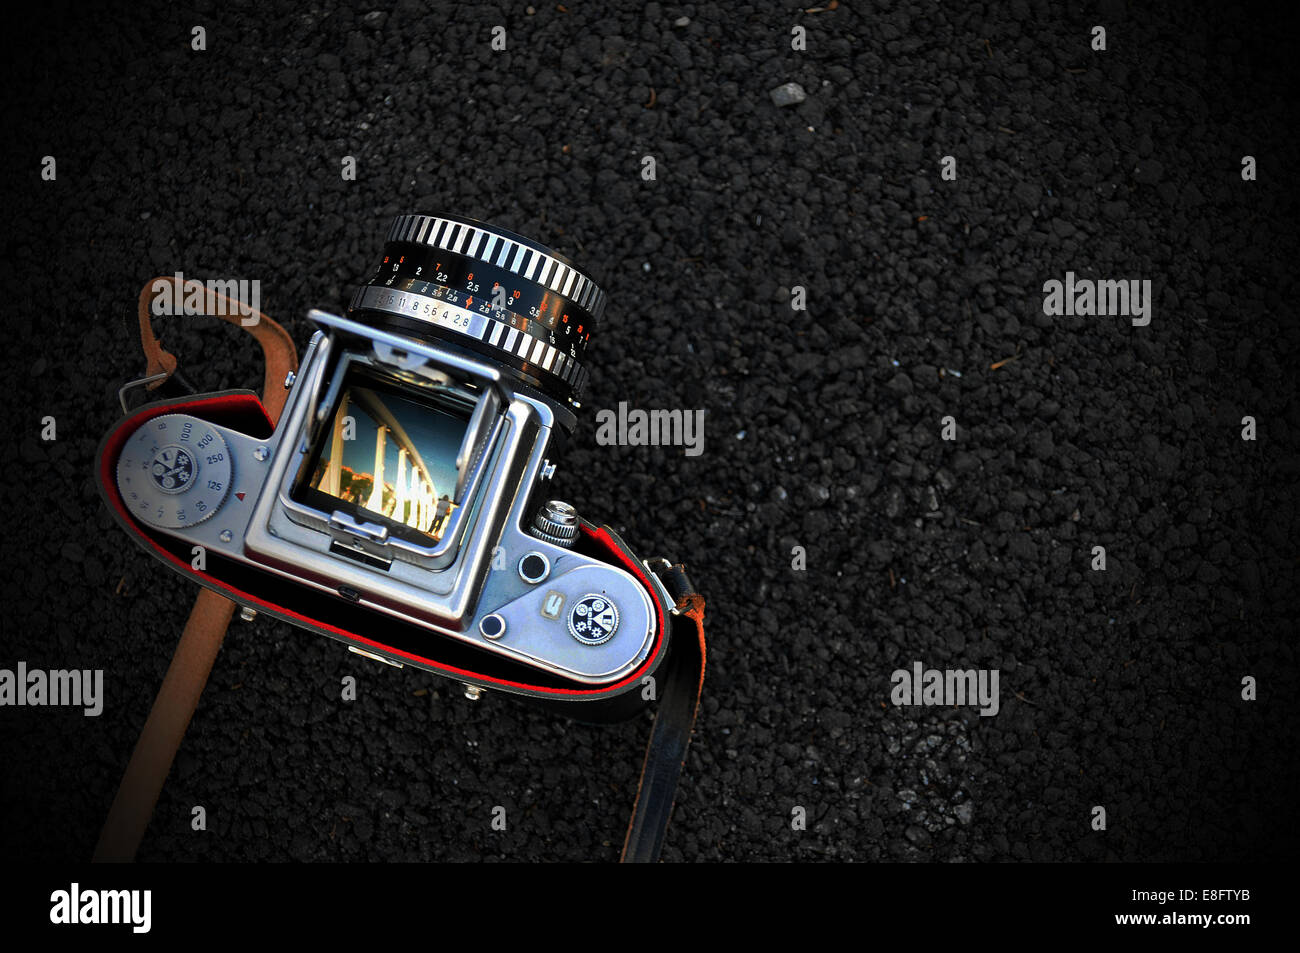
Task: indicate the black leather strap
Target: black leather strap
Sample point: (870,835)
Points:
(675,719)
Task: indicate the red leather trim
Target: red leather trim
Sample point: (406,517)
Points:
(244,402)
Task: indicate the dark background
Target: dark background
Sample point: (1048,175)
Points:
(1119,689)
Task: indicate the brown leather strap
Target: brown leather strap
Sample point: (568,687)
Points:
(277,347)
(199,643)
(161,737)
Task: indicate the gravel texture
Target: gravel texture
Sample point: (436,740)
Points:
(1119,689)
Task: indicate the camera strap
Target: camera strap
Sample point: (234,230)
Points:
(277,347)
(665,752)
(205,630)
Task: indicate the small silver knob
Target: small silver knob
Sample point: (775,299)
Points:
(556,522)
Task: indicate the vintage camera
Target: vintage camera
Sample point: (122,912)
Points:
(400,502)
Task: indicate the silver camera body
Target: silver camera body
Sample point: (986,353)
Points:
(480,562)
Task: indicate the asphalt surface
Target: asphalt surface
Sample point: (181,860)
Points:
(1119,689)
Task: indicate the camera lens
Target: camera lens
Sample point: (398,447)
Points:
(485,288)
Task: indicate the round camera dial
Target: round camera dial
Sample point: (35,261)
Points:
(593,620)
(174,471)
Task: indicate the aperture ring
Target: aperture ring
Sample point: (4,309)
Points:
(534,353)
(484,288)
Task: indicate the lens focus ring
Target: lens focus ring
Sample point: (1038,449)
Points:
(488,289)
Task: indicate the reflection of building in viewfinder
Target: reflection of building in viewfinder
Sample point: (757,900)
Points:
(388,475)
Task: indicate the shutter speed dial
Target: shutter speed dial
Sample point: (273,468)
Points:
(174,471)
